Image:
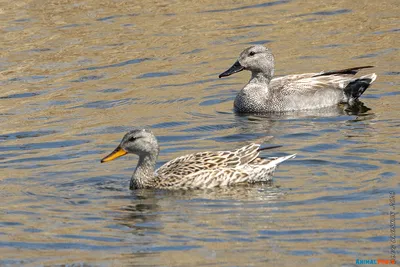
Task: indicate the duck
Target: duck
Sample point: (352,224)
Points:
(200,170)
(264,93)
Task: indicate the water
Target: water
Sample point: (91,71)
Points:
(75,76)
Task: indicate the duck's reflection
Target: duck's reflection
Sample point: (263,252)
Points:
(140,214)
(267,191)
(161,221)
(358,108)
(267,123)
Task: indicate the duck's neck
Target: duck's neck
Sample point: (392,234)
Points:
(261,78)
(253,97)
(144,171)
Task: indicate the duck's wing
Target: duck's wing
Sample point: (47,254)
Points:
(259,170)
(316,83)
(346,85)
(192,163)
(281,81)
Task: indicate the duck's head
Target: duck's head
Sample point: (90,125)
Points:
(257,59)
(141,142)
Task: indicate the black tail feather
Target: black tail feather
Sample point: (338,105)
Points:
(268,147)
(350,71)
(356,88)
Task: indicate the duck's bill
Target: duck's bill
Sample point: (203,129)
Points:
(118,152)
(235,68)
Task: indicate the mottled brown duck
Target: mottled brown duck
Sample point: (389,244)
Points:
(194,171)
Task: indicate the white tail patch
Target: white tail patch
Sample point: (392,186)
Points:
(371,76)
(278,161)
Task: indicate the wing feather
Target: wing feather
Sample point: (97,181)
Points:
(313,85)
(192,163)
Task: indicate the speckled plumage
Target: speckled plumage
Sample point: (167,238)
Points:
(194,171)
(264,93)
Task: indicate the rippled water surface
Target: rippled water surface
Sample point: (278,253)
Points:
(76,75)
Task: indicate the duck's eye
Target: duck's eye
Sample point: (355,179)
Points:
(252,53)
(131,139)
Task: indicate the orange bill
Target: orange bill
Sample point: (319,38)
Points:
(118,152)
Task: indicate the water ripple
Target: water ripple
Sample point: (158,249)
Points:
(121,64)
(266,4)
